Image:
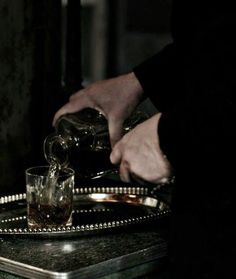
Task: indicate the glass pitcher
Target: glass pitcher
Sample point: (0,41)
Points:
(81,141)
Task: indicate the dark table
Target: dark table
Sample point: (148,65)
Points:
(129,254)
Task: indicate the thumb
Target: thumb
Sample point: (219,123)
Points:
(115,156)
(115,130)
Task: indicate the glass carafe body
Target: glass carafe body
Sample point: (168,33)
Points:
(81,141)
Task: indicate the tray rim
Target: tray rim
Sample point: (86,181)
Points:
(88,229)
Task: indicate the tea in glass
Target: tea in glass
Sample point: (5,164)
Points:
(49,194)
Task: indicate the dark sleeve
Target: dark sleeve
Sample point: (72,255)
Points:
(155,75)
(197,135)
(197,131)
(161,74)
(193,84)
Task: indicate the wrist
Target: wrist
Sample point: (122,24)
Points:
(135,84)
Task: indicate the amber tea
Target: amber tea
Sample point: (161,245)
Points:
(49,196)
(46,215)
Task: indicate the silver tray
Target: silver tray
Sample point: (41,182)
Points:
(96,210)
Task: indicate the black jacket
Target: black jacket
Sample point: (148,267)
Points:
(193,83)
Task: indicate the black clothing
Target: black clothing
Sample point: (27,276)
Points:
(193,83)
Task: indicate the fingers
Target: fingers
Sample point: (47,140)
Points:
(115,156)
(116,159)
(78,102)
(75,95)
(67,108)
(124,172)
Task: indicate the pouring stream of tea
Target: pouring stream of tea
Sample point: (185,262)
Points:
(52,177)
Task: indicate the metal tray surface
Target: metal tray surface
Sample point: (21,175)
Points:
(95,210)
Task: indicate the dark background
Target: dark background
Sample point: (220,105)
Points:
(48,49)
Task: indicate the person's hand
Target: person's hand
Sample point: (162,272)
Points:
(139,155)
(115,98)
